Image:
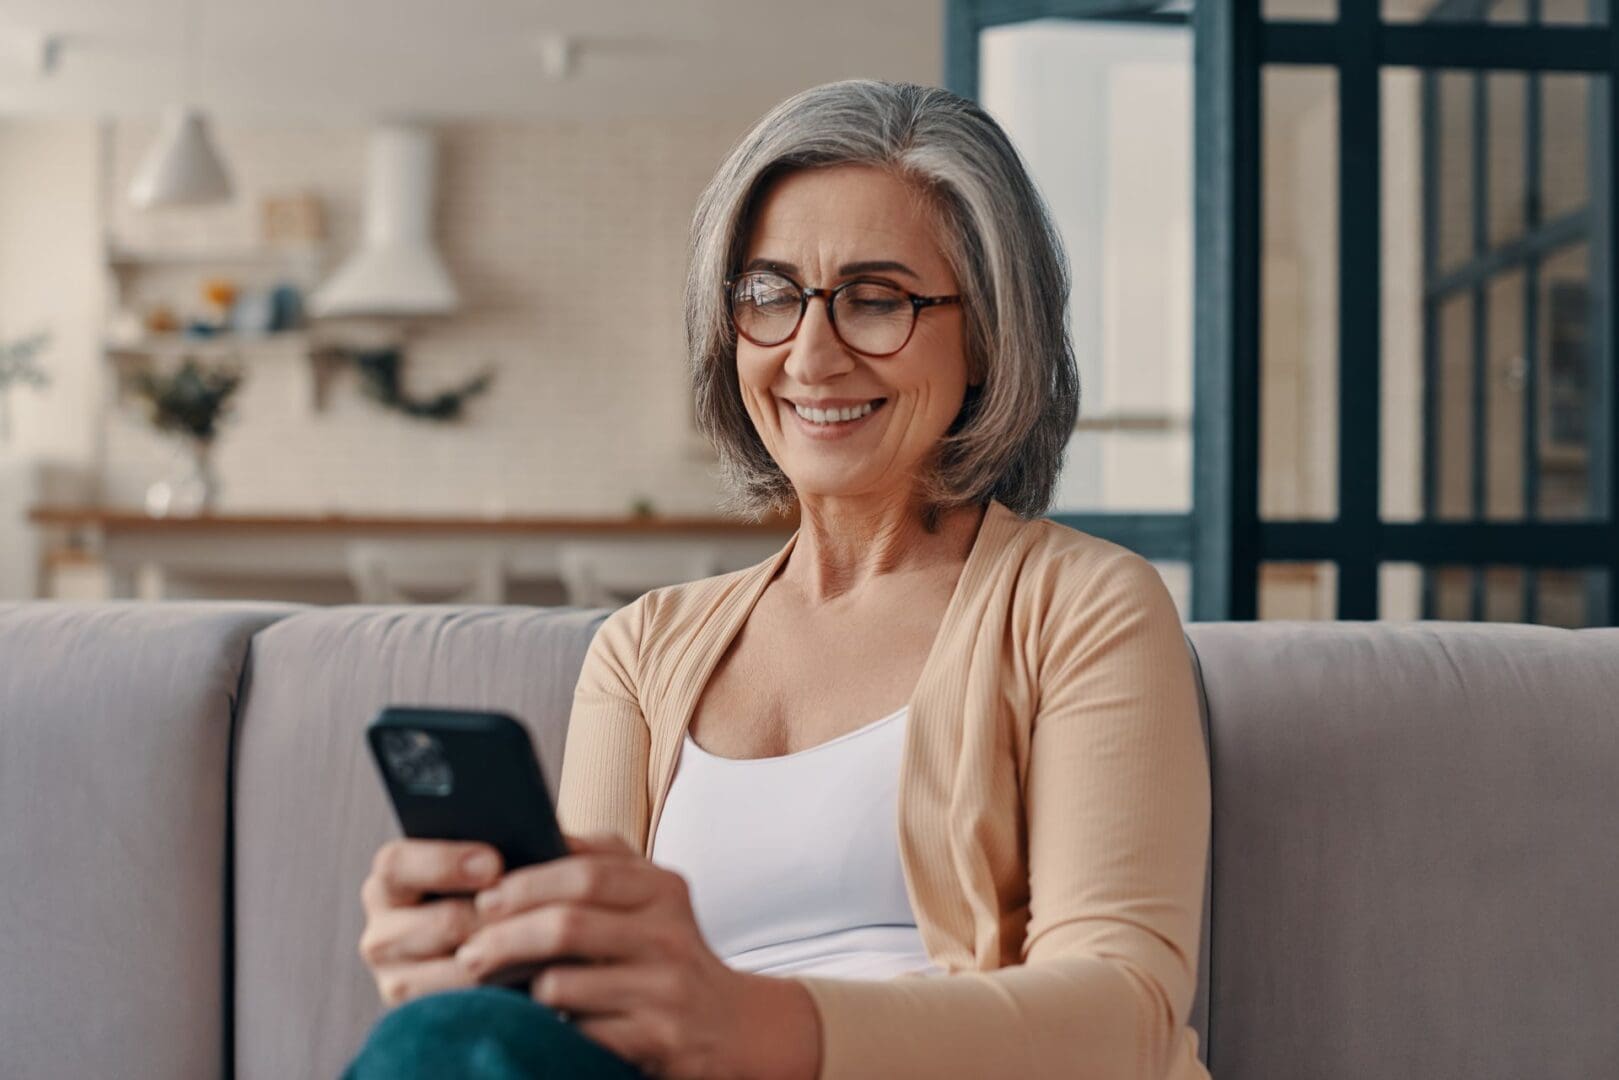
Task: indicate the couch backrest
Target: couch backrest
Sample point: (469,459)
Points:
(310,810)
(1413,863)
(114,728)
(1415,854)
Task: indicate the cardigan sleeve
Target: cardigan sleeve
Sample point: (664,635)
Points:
(1117,805)
(603,787)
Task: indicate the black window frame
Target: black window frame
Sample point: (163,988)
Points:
(1223,537)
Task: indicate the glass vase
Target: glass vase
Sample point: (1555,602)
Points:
(193,487)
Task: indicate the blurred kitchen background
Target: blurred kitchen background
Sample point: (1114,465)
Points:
(382,301)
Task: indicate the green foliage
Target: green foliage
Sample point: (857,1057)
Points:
(18,363)
(381,381)
(191,400)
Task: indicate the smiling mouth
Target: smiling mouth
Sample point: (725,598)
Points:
(830,417)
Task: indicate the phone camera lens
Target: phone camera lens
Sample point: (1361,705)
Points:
(417,762)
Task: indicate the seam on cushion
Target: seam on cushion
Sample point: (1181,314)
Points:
(227,1028)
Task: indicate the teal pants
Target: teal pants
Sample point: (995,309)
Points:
(486,1033)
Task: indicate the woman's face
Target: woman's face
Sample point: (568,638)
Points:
(822,227)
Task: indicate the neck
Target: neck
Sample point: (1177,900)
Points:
(844,547)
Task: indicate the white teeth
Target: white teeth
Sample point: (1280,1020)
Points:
(828,416)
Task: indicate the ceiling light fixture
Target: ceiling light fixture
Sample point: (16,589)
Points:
(183,167)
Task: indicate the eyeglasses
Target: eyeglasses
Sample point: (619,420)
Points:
(873,318)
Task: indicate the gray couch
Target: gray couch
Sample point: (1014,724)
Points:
(1414,867)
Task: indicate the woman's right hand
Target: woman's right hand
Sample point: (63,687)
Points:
(409,944)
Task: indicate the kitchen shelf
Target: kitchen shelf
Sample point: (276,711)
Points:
(177,344)
(129,357)
(205,257)
(1564,458)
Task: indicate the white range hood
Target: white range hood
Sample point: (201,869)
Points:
(396,270)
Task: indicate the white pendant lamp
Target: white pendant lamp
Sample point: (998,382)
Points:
(182,168)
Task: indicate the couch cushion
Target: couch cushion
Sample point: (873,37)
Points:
(114,728)
(311,812)
(1414,867)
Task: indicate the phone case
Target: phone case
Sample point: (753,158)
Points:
(455,774)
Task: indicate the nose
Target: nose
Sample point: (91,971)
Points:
(816,354)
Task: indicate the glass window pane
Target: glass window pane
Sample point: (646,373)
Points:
(1565,171)
(1459,593)
(1504,397)
(1571,598)
(1503,593)
(1453,593)
(1301,10)
(1102,113)
(1402,306)
(1461,375)
(1299,295)
(1568,407)
(1178,579)
(1298,590)
(1452,135)
(1399,591)
(1453,409)
(1508,12)
(1574,12)
(1506,96)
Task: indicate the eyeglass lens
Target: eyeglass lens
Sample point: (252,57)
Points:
(868,316)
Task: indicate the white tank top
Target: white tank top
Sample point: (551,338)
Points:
(793,861)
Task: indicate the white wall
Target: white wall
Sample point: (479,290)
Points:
(567,240)
(48,282)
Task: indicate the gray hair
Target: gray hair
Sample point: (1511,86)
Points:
(1007,442)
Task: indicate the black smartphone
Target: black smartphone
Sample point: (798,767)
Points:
(457,774)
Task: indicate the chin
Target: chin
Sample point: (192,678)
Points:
(818,486)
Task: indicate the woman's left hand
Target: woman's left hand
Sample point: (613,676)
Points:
(635,974)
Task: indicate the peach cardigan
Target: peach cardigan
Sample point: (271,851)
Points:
(1053,808)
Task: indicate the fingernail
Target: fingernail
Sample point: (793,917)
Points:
(481,866)
(468,956)
(487,901)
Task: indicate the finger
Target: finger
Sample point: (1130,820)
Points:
(423,932)
(615,881)
(403,870)
(606,843)
(595,989)
(400,983)
(554,932)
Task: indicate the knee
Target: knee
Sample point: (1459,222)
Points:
(485,1033)
(468,1010)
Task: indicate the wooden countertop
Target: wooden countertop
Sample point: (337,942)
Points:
(120,519)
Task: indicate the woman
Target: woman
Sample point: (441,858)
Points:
(924,793)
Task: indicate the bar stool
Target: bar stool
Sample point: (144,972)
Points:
(405,572)
(612,573)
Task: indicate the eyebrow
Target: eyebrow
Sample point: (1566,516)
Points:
(870,266)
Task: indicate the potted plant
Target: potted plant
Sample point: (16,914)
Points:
(19,367)
(189,402)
